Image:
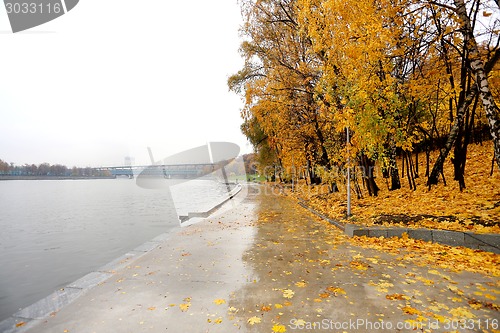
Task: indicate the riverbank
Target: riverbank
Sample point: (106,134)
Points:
(47,227)
(68,292)
(264,264)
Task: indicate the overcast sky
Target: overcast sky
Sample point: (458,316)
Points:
(113,77)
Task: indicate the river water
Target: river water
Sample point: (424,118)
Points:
(53,232)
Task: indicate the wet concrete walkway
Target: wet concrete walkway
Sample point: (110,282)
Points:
(265,264)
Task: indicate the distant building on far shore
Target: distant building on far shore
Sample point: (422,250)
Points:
(129,161)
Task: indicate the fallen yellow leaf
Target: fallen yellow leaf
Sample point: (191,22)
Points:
(219,301)
(254,320)
(287,293)
(184,306)
(461,313)
(265,308)
(278,328)
(359,265)
(336,291)
(411,311)
(395,296)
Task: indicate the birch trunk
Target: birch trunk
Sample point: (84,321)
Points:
(477,65)
(452,137)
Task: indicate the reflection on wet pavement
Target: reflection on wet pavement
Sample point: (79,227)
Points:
(309,277)
(264,264)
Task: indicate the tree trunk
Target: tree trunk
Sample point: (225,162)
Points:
(325,161)
(461,147)
(452,137)
(477,66)
(427,160)
(403,164)
(310,172)
(416,164)
(357,188)
(368,178)
(393,167)
(411,171)
(460,154)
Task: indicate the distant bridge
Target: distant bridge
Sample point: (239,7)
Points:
(182,171)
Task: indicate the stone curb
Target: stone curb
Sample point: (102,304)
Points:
(232,193)
(484,242)
(339,225)
(38,311)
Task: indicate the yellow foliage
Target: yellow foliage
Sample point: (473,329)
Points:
(442,207)
(455,259)
(219,301)
(287,293)
(265,308)
(254,320)
(301,284)
(278,328)
(336,290)
(411,311)
(396,297)
(184,306)
(461,313)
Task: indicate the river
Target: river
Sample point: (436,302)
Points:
(53,232)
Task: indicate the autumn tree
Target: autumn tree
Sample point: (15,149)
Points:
(402,75)
(458,38)
(361,45)
(278,81)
